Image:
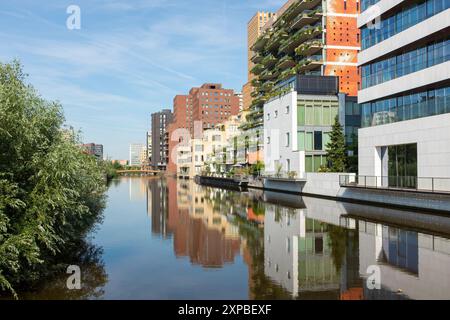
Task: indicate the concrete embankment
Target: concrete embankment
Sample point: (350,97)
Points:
(327,185)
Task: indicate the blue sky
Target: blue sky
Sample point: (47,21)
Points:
(129,59)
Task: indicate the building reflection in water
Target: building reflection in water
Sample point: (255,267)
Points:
(304,248)
(179,209)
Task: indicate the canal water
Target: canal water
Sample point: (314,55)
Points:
(171,239)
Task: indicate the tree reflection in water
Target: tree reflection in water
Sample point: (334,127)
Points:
(93,275)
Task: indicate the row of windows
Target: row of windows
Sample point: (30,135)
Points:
(216,94)
(226,113)
(216,106)
(408,17)
(216,100)
(275,113)
(365,4)
(405,63)
(313,141)
(407,107)
(318,115)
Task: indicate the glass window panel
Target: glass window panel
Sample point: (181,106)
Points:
(301,140)
(301,115)
(318,140)
(334,113)
(308,164)
(327,116)
(309,116)
(317,163)
(318,115)
(325,140)
(309,141)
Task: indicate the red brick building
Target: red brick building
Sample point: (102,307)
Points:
(209,105)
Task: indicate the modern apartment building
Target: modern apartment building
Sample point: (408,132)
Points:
(160,139)
(215,150)
(149,146)
(212,104)
(136,154)
(204,108)
(298,123)
(310,37)
(405,93)
(94,150)
(254,30)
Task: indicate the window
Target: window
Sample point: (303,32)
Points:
(268,116)
(276,114)
(287,110)
(309,116)
(288,139)
(309,141)
(318,140)
(268,140)
(301,140)
(301,115)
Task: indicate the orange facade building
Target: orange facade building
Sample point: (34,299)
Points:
(343,44)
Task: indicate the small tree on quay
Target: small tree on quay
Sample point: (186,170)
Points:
(336,149)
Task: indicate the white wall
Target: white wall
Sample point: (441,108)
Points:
(276,128)
(432,135)
(281,259)
(325,184)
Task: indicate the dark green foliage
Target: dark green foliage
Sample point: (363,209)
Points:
(51,194)
(336,149)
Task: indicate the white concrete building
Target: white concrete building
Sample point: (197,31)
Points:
(298,123)
(405,94)
(280,132)
(136,150)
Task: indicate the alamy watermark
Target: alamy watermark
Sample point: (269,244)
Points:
(74,280)
(373,281)
(73,22)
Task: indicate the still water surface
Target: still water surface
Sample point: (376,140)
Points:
(169,239)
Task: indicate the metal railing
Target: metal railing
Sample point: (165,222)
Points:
(436,185)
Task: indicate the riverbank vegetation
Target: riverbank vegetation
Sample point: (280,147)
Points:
(51,193)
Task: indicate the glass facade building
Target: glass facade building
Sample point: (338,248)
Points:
(406,107)
(405,63)
(404,140)
(397,22)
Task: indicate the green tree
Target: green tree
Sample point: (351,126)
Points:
(336,149)
(51,193)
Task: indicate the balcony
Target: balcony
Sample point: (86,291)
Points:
(310,63)
(254,94)
(269,75)
(286,62)
(256,83)
(310,47)
(258,69)
(269,61)
(276,39)
(298,7)
(257,58)
(261,42)
(268,86)
(306,18)
(305,33)
(287,74)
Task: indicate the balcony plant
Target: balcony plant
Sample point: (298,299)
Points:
(292,175)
